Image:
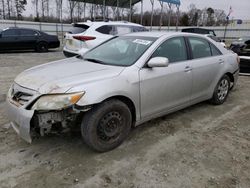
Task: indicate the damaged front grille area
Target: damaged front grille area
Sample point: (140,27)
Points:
(20,95)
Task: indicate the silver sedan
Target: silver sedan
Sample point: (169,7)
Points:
(119,84)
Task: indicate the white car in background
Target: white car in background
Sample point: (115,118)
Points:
(87,35)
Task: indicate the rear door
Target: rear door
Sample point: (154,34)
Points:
(206,62)
(164,88)
(9,40)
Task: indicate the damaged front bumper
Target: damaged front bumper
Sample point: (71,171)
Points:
(20,119)
(27,122)
(30,122)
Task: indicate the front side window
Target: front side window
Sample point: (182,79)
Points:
(174,49)
(120,51)
(200,47)
(215,51)
(26,32)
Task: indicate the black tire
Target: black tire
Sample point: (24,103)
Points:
(42,47)
(107,125)
(221,91)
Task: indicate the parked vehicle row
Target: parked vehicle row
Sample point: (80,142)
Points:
(119,84)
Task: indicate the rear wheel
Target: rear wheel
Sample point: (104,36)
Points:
(42,47)
(106,126)
(221,91)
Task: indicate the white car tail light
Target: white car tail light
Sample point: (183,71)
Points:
(84,38)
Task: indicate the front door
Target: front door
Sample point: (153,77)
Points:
(164,88)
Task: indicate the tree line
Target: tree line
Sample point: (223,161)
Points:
(67,11)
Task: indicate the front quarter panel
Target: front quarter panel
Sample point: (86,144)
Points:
(126,84)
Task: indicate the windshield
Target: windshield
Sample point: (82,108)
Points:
(120,51)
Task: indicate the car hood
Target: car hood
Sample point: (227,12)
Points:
(60,76)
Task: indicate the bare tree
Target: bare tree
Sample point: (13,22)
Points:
(20,7)
(43,8)
(210,19)
(9,7)
(47,5)
(3,9)
(59,5)
(72,5)
(220,16)
(80,10)
(35,2)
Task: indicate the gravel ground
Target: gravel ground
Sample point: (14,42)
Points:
(201,146)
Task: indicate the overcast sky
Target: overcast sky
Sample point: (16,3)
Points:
(241,8)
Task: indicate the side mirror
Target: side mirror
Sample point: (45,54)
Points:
(158,62)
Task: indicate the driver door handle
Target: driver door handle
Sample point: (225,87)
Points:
(188,69)
(221,61)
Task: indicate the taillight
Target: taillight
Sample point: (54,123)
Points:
(238,59)
(84,38)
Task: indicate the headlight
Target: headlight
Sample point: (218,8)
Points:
(57,101)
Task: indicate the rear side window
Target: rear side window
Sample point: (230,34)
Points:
(106,29)
(174,49)
(200,47)
(26,32)
(10,32)
(78,29)
(215,51)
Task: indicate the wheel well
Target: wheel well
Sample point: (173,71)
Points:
(230,75)
(128,102)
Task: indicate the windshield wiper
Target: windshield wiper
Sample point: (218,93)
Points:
(94,60)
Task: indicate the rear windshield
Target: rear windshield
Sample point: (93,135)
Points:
(77,28)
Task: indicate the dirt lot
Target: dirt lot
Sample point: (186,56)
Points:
(202,146)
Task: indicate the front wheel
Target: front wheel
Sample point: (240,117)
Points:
(221,91)
(107,125)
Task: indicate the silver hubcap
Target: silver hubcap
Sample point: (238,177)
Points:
(223,89)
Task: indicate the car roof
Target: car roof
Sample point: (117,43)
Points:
(21,28)
(100,23)
(197,28)
(158,34)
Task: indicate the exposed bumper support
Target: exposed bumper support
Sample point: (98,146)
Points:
(20,120)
